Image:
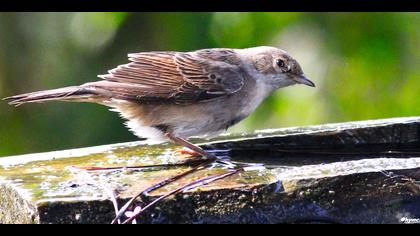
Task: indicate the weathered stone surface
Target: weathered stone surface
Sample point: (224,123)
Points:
(335,173)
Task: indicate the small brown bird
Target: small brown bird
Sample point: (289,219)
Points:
(177,95)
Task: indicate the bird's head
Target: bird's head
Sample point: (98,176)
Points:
(276,67)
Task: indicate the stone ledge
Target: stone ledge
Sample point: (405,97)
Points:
(335,173)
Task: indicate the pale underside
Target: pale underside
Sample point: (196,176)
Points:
(204,120)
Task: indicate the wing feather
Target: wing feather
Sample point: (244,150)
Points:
(174,77)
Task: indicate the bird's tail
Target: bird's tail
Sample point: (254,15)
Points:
(73,93)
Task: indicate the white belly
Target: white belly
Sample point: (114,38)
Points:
(204,119)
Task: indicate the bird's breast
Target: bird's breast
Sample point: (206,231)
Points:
(250,99)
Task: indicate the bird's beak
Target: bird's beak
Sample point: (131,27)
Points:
(302,79)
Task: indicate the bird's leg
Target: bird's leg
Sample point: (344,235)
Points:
(193,147)
(187,151)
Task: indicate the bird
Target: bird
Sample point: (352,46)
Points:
(173,96)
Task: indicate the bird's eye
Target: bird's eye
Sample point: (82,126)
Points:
(280,62)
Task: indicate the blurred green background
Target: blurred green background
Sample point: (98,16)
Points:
(365,65)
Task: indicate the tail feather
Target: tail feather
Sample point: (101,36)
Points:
(63,94)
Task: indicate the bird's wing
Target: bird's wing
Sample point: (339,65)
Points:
(175,77)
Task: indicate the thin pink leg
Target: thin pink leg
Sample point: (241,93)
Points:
(185,143)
